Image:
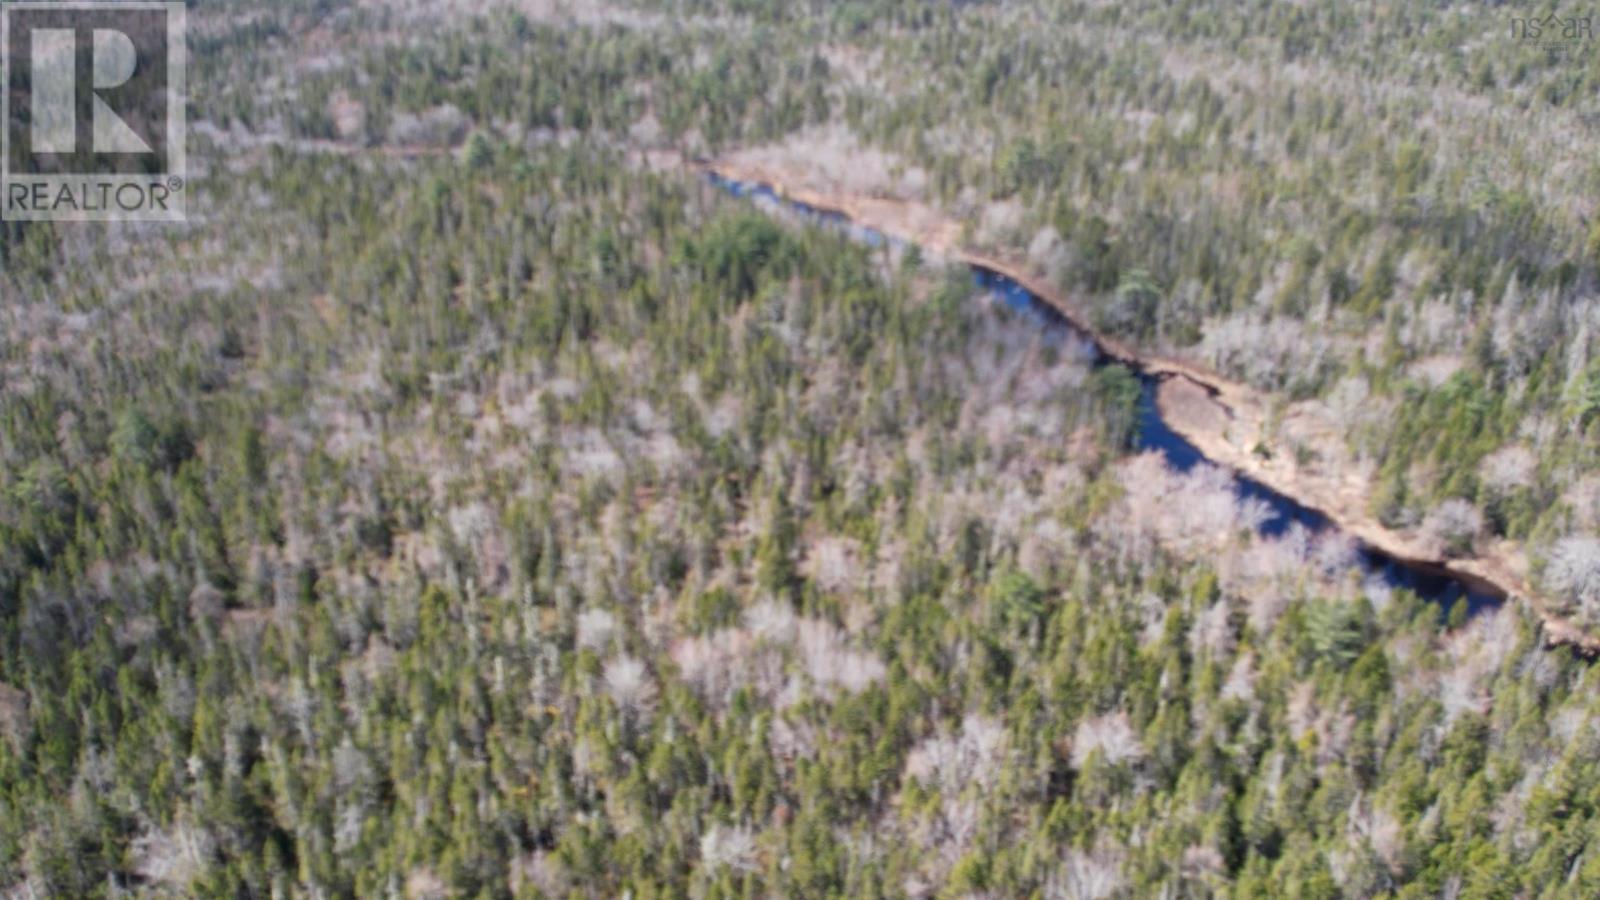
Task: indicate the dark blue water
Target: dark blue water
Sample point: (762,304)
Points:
(1427,582)
(870,236)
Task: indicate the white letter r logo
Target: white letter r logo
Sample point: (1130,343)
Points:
(55,91)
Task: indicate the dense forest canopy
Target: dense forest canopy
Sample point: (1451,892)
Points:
(1385,208)
(470,500)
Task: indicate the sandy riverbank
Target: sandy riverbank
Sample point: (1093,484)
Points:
(1226,420)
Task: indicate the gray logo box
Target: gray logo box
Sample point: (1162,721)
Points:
(93,104)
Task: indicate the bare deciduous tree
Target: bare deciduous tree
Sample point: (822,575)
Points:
(732,847)
(1508,469)
(1453,527)
(1574,571)
(1087,875)
(1111,736)
(630,686)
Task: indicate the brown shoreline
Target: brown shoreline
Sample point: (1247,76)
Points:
(1496,571)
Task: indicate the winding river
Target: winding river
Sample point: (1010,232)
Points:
(1430,582)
